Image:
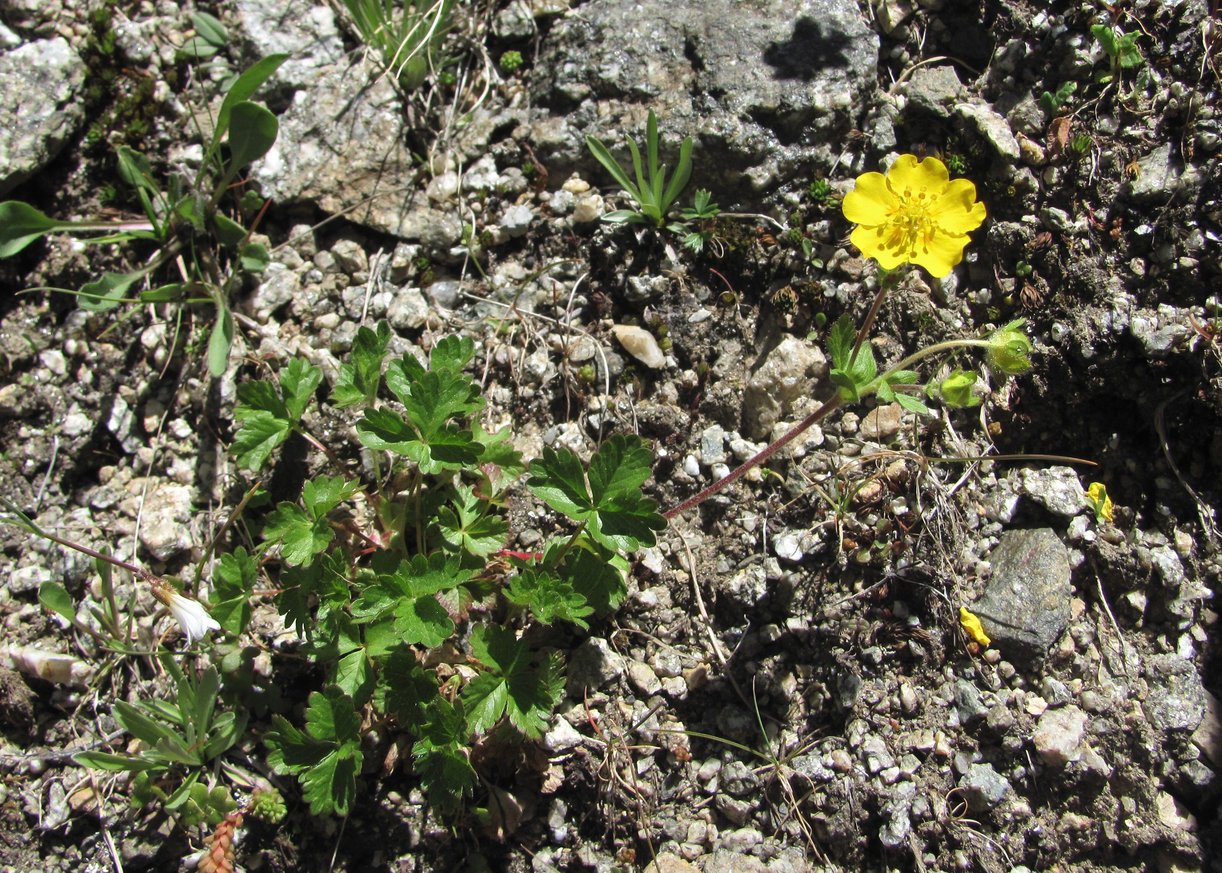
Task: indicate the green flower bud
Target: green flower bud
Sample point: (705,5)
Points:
(956,390)
(268,805)
(1010,349)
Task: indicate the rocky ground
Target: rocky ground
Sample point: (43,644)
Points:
(788,685)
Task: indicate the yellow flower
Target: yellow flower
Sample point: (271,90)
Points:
(913,215)
(1096,496)
(975,630)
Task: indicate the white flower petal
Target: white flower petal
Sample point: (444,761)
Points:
(191,617)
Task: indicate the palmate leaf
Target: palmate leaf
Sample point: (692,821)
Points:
(360,376)
(440,761)
(548,596)
(326,757)
(467,524)
(616,514)
(268,412)
(405,689)
(301,535)
(233,582)
(520,686)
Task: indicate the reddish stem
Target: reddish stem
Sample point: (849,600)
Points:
(758,458)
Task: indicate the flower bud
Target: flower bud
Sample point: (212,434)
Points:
(1010,349)
(956,390)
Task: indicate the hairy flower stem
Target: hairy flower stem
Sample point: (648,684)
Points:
(797,430)
(822,412)
(758,458)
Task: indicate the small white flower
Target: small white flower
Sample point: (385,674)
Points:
(190,614)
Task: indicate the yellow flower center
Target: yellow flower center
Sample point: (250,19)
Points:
(910,224)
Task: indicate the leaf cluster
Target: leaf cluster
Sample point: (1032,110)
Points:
(178,740)
(651,184)
(384,577)
(183,215)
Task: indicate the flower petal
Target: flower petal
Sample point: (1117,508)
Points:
(941,254)
(873,244)
(906,173)
(957,210)
(870,202)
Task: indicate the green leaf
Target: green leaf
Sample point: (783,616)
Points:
(361,375)
(330,785)
(210,29)
(233,583)
(220,341)
(135,170)
(228,232)
(21,224)
(252,133)
(302,535)
(56,598)
(242,89)
(615,512)
(354,675)
(484,701)
(596,574)
(254,257)
(108,291)
(548,597)
(468,524)
(840,340)
(326,757)
(444,769)
(405,689)
(113,763)
(298,382)
(260,434)
(323,493)
(531,689)
(912,403)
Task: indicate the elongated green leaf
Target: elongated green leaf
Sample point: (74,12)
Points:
(107,292)
(252,132)
(603,155)
(229,233)
(209,28)
(242,89)
(219,342)
(56,598)
(21,224)
(683,172)
(112,763)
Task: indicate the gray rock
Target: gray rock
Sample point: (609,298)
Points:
(593,665)
(992,128)
(1025,606)
(896,812)
(1176,701)
(342,145)
(40,107)
(1059,734)
(761,85)
(713,445)
(165,523)
(1057,489)
(304,30)
(968,703)
(408,309)
(983,787)
(642,678)
(516,220)
(934,90)
(1161,174)
(787,376)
